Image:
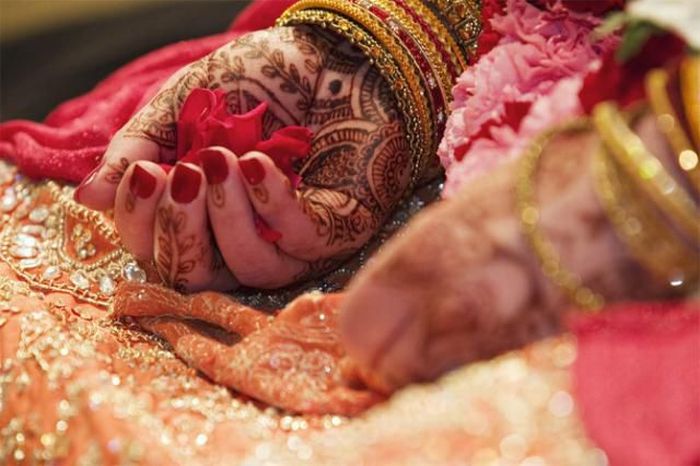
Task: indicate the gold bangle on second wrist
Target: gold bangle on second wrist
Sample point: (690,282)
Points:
(543,249)
(645,170)
(657,82)
(639,226)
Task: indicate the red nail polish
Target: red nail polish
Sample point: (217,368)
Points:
(87,180)
(214,165)
(142,183)
(252,170)
(185,185)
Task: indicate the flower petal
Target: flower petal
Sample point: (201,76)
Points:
(194,111)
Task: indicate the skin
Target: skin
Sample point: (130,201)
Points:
(462,284)
(358,169)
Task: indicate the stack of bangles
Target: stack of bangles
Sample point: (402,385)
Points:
(654,212)
(419,46)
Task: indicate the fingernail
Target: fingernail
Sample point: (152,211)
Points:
(142,183)
(214,164)
(185,185)
(252,170)
(87,180)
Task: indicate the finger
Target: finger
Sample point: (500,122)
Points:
(382,330)
(308,222)
(184,252)
(168,328)
(98,190)
(343,401)
(220,310)
(253,260)
(148,300)
(137,300)
(135,207)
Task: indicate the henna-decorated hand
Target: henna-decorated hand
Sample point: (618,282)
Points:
(358,168)
(293,361)
(462,284)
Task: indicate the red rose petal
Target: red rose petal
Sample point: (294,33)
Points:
(204,121)
(514,112)
(264,230)
(194,110)
(247,130)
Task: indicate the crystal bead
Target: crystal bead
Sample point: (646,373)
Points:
(39,215)
(23,239)
(80,280)
(133,273)
(51,272)
(23,252)
(107,286)
(34,230)
(8,201)
(30,263)
(87,251)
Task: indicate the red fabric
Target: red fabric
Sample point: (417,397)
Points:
(71,140)
(637,382)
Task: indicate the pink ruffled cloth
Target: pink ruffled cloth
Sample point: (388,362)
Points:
(541,59)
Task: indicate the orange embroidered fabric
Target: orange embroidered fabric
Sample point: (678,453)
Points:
(80,387)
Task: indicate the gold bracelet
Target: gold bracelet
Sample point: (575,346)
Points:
(645,170)
(690,94)
(548,258)
(669,124)
(419,55)
(650,240)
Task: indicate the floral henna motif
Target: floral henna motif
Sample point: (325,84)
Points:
(156,121)
(116,171)
(360,164)
(294,361)
(339,219)
(254,68)
(177,252)
(217,195)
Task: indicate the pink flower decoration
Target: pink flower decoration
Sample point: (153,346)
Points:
(527,82)
(204,121)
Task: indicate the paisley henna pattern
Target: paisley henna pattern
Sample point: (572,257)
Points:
(294,361)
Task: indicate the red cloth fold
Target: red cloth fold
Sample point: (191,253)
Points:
(71,140)
(637,382)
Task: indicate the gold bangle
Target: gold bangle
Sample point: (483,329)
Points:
(690,94)
(457,53)
(420,57)
(645,170)
(669,124)
(548,258)
(649,239)
(463,18)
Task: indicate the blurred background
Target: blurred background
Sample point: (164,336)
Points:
(52,50)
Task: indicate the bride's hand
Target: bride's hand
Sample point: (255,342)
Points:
(358,168)
(461,283)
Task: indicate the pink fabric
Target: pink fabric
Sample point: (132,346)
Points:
(637,382)
(71,140)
